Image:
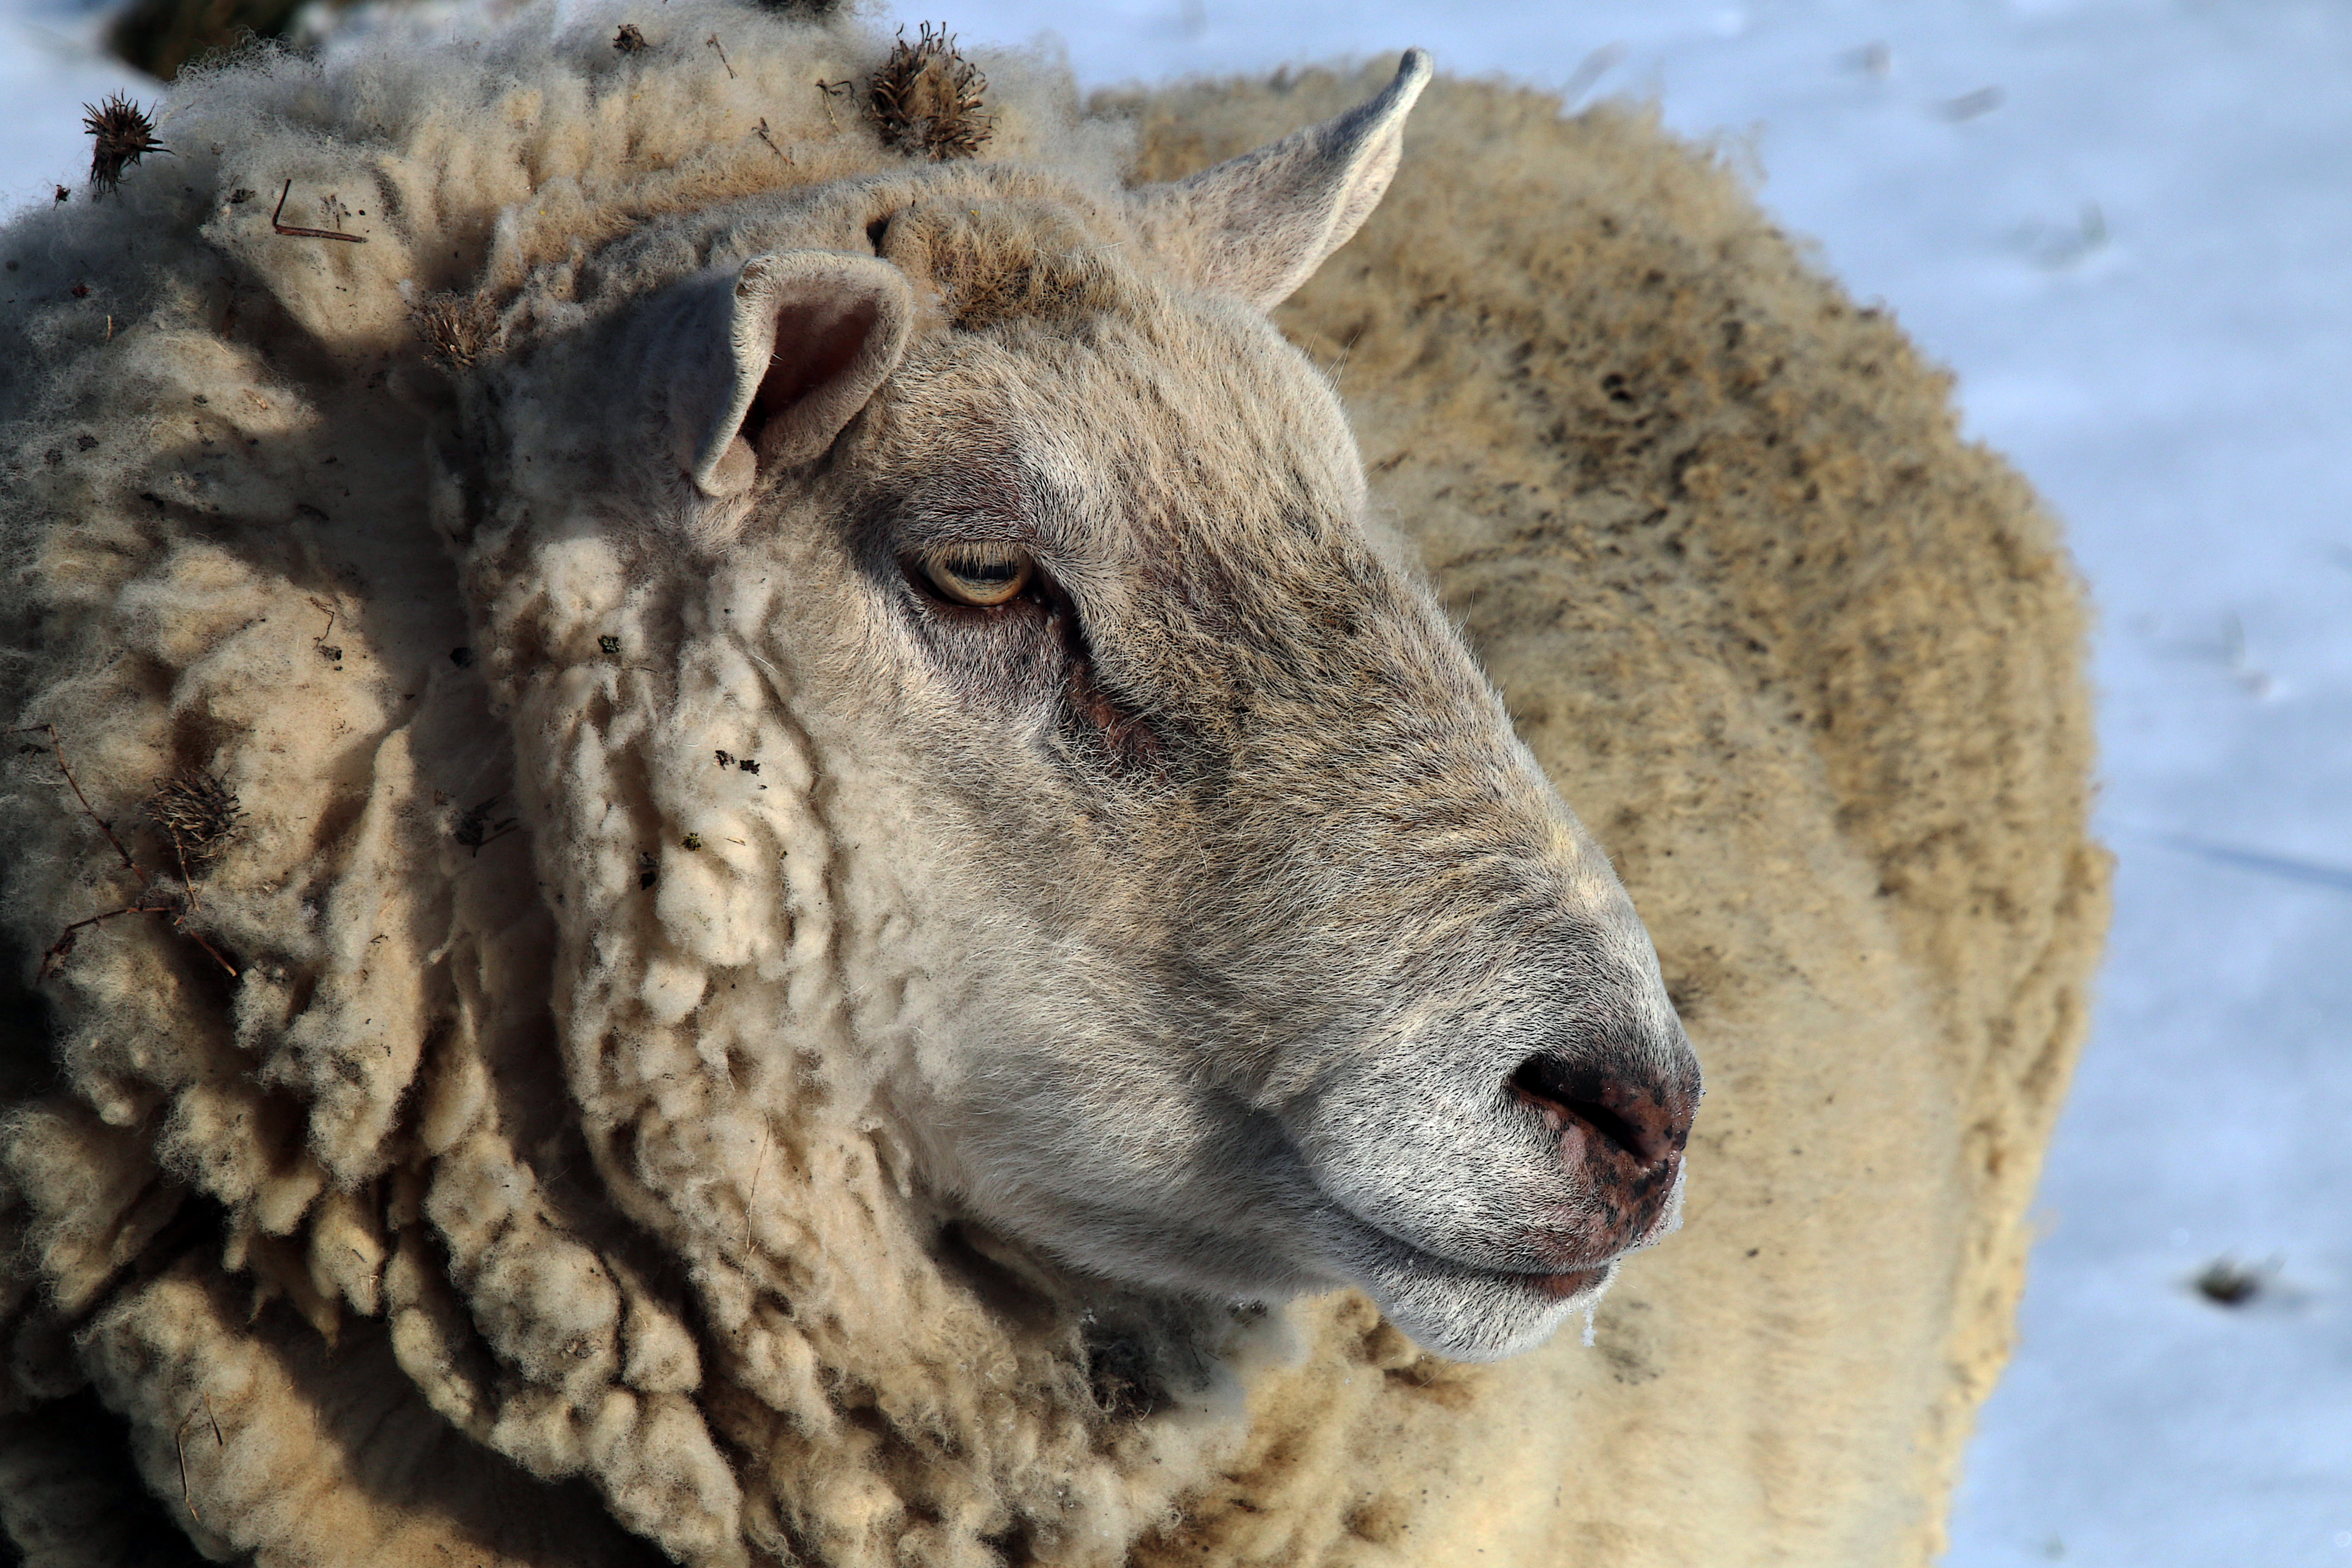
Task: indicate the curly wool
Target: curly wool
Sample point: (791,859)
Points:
(1810,663)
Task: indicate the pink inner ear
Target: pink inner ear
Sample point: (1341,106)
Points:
(818,343)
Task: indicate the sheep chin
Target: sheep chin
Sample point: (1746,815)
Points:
(1459,1310)
(1477,1314)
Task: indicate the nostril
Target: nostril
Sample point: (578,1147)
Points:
(1615,1128)
(1641,1124)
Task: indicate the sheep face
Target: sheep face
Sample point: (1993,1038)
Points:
(1201,919)
(1283,964)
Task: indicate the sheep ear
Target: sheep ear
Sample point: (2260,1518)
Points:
(1259,224)
(778,359)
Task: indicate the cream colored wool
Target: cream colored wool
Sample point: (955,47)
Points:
(1808,664)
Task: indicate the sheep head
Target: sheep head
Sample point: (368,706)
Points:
(1135,845)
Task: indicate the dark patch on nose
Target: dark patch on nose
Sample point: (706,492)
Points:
(1621,1131)
(1648,1122)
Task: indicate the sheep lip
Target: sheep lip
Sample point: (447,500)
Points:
(1555,1285)
(1393,1254)
(1575,1283)
(1405,1262)
(1558,1284)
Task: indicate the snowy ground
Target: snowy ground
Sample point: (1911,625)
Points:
(2127,225)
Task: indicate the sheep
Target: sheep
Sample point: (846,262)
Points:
(583,1073)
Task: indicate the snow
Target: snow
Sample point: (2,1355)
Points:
(2126,224)
(50,65)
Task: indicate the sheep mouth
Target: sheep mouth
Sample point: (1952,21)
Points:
(1382,1261)
(1562,1285)
(1390,1267)
(1467,1312)
(1456,1307)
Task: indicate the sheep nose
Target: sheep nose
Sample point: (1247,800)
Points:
(1640,1117)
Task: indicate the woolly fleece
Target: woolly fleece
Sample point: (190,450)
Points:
(315,1266)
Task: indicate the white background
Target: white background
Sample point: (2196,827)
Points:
(2127,225)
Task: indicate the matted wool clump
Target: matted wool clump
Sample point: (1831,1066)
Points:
(484,1134)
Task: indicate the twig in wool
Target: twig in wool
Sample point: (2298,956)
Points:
(298,232)
(714,43)
(179,1447)
(150,899)
(761,131)
(62,949)
(327,650)
(845,87)
(475,828)
(57,750)
(120,135)
(752,1197)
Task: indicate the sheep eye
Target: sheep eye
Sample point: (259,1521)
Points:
(978,574)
